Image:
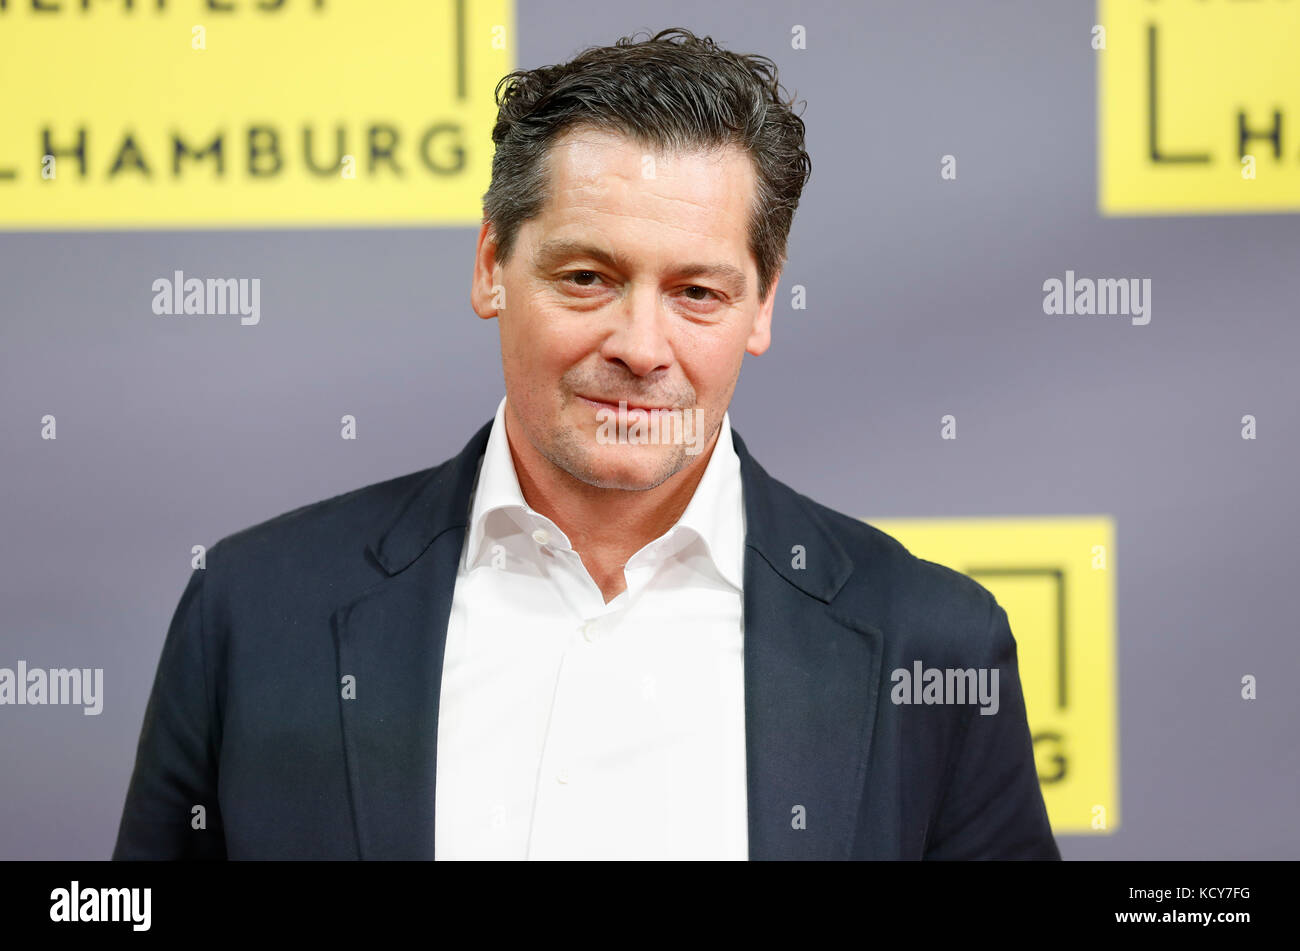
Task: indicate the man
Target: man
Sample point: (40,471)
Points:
(584,637)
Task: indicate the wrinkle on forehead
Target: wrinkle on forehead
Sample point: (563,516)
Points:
(601,173)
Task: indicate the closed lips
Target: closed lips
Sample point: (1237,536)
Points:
(614,402)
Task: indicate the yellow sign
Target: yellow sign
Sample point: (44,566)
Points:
(273,113)
(1199,106)
(1055,579)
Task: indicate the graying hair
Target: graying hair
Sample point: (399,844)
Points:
(674,91)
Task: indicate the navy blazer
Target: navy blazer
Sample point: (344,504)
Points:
(247,718)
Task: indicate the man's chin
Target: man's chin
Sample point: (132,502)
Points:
(632,468)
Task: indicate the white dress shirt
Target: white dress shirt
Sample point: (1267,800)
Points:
(570,728)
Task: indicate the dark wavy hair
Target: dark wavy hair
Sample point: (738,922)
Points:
(672,91)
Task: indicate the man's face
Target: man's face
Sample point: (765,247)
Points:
(634,283)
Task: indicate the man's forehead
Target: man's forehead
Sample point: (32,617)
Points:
(702,193)
(587,153)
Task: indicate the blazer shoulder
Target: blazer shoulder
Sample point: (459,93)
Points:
(304,562)
(356,512)
(907,592)
(869,546)
(318,552)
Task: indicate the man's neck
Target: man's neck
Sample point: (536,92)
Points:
(605,526)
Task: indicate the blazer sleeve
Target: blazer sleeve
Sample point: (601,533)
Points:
(991,806)
(176,759)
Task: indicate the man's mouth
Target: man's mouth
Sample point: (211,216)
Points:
(601,403)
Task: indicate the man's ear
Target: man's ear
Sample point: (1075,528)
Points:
(760,337)
(486,296)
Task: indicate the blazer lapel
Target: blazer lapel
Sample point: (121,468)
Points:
(811,673)
(812,679)
(391,639)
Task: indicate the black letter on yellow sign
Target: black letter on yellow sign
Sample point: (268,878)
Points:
(458,150)
(1152,136)
(383,139)
(130,149)
(47,148)
(1057,758)
(1244,135)
(180,150)
(254,132)
(338,150)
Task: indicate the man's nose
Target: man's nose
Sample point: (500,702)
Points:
(640,336)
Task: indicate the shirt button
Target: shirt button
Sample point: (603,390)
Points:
(562,777)
(541,536)
(590,632)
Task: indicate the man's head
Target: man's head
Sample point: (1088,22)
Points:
(633,237)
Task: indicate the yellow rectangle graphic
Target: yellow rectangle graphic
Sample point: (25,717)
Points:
(1055,577)
(1198,106)
(275,113)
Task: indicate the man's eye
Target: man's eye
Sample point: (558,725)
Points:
(704,291)
(579,277)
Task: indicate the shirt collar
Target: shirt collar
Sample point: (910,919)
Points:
(715,513)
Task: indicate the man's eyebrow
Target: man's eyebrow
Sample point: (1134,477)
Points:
(555,250)
(549,253)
